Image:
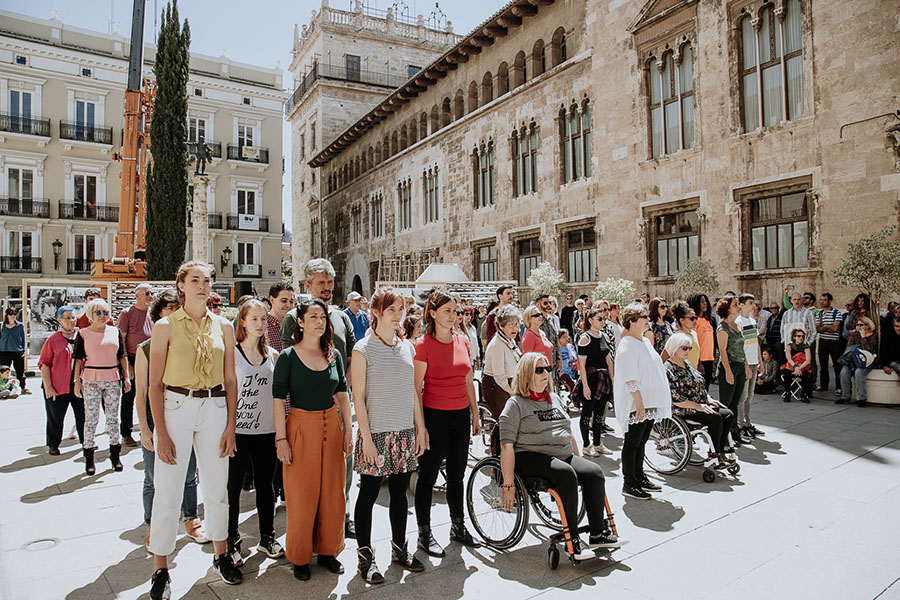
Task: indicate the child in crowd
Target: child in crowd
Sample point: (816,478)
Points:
(767,381)
(569,372)
(9,388)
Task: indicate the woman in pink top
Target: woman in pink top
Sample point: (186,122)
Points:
(443,384)
(534,339)
(101,370)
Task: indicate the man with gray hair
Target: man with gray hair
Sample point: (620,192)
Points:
(798,316)
(318,275)
(136,327)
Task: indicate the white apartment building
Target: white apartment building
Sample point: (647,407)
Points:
(61,115)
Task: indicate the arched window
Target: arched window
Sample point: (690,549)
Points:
(371,157)
(431,195)
(378,155)
(423,126)
(524,151)
(395,143)
(473,97)
(520,72)
(487,88)
(404,138)
(575,135)
(558,47)
(483,165)
(671,102)
(413,131)
(502,79)
(435,119)
(762,60)
(404,202)
(386,154)
(538,58)
(446,113)
(459,106)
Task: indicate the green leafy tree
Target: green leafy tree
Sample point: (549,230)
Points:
(872,266)
(697,276)
(168,180)
(544,279)
(617,291)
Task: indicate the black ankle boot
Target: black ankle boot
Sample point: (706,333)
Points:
(459,533)
(89,461)
(368,570)
(114,451)
(407,560)
(428,544)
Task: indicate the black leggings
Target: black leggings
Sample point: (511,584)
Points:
(633,452)
(369,486)
(565,475)
(448,434)
(17,360)
(258,452)
(593,412)
(718,424)
(708,368)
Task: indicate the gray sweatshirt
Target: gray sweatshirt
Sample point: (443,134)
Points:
(533,426)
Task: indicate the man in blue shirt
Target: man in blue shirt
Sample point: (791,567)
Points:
(358,318)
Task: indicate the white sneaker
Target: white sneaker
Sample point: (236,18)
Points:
(600,448)
(589,451)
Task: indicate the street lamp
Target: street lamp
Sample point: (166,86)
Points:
(57,248)
(225,258)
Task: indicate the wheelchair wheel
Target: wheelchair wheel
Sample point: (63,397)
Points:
(547,510)
(553,557)
(701,447)
(497,527)
(709,475)
(669,448)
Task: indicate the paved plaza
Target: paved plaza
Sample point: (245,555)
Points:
(813,514)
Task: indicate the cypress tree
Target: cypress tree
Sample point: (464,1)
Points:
(167,181)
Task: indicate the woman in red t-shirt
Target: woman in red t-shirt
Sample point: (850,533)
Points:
(443,383)
(534,339)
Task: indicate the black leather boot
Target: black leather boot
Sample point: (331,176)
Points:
(459,533)
(368,570)
(114,451)
(404,558)
(428,544)
(89,461)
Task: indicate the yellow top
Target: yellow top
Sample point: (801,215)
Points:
(196,358)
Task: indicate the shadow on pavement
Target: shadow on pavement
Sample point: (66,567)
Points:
(656,514)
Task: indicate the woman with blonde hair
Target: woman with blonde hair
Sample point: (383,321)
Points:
(193,396)
(535,340)
(254,364)
(536,438)
(101,372)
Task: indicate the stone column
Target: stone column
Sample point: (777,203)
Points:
(200,218)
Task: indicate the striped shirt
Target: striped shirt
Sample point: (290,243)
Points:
(390,393)
(826,319)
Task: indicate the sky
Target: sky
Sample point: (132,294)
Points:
(260,36)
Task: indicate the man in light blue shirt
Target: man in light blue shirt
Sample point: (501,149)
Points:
(358,318)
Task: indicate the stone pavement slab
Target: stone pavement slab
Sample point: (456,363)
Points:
(812,514)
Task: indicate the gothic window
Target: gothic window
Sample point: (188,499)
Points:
(404,205)
(575,135)
(431,199)
(377,212)
(483,167)
(524,151)
(671,102)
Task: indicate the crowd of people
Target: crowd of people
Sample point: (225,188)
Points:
(265,401)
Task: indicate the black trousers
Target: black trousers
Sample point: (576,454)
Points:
(708,369)
(565,475)
(369,487)
(56,417)
(829,349)
(126,408)
(718,424)
(633,452)
(448,433)
(806,381)
(17,360)
(593,413)
(257,451)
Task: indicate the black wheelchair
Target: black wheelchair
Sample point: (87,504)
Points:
(676,442)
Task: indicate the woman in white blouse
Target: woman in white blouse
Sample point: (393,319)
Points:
(641,396)
(501,359)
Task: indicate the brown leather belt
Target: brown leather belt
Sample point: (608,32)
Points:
(216,392)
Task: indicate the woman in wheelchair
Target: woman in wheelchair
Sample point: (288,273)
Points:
(536,438)
(798,365)
(689,397)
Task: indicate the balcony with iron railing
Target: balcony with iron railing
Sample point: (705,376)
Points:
(247,270)
(341,73)
(79,266)
(254,154)
(213,220)
(88,212)
(243,222)
(24,207)
(85,133)
(215,148)
(20,264)
(28,126)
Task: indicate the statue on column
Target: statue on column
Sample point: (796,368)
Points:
(202,154)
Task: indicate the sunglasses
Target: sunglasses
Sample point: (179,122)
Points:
(216,305)
(537,316)
(539,370)
(686,348)
(146,293)
(691,318)
(603,310)
(101,313)
(459,313)
(661,306)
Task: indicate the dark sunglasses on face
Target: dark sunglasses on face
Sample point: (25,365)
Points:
(686,348)
(661,306)
(539,370)
(216,305)
(603,310)
(103,313)
(691,318)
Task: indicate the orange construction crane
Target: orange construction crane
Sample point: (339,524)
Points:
(130,261)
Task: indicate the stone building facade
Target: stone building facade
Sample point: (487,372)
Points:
(344,63)
(620,139)
(62,92)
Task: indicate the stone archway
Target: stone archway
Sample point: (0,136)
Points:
(356,275)
(357,285)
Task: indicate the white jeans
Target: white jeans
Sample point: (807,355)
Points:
(199,422)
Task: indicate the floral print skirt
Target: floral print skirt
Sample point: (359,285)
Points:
(396,453)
